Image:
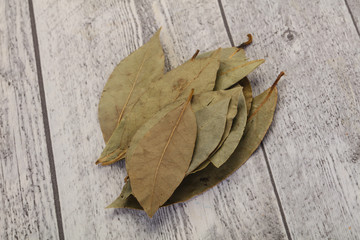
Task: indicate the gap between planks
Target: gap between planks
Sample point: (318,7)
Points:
(46,123)
(282,213)
(352,17)
(283,218)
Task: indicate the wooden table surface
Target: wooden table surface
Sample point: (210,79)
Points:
(55,57)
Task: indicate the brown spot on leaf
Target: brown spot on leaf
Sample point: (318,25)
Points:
(180,83)
(205,179)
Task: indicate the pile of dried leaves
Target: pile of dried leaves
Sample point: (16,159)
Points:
(182,132)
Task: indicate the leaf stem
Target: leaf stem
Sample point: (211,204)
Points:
(282,73)
(247,43)
(267,96)
(194,56)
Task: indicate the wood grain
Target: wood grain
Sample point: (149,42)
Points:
(26,197)
(313,146)
(80,44)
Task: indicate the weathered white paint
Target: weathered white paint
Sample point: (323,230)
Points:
(26,196)
(313,146)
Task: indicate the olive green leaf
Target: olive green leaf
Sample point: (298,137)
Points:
(161,158)
(214,96)
(148,125)
(125,193)
(233,139)
(202,166)
(232,112)
(129,80)
(211,122)
(247,90)
(233,67)
(202,100)
(126,199)
(198,74)
(262,112)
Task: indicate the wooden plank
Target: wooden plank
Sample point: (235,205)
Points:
(354,8)
(80,44)
(27,206)
(314,143)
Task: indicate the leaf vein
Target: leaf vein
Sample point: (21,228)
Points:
(166,146)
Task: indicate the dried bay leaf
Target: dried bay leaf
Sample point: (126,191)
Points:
(262,112)
(126,199)
(232,112)
(247,90)
(233,66)
(129,80)
(161,158)
(126,192)
(233,139)
(176,149)
(198,74)
(211,122)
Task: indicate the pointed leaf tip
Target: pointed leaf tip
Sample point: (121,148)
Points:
(128,81)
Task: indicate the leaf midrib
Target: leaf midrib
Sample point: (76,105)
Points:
(134,84)
(240,66)
(164,151)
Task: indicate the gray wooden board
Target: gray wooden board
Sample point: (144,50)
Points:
(80,44)
(354,9)
(26,197)
(313,146)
